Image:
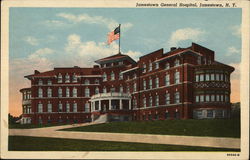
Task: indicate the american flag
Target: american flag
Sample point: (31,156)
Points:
(114,35)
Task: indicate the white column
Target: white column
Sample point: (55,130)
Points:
(109,104)
(99,105)
(120,104)
(129,105)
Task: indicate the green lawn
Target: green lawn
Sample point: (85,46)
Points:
(207,127)
(29,126)
(23,143)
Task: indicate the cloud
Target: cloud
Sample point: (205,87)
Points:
(236,30)
(194,34)
(85,18)
(236,72)
(232,50)
(31,40)
(54,23)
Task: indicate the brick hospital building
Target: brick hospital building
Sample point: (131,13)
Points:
(182,83)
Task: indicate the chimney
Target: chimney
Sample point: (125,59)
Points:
(36,72)
(172,48)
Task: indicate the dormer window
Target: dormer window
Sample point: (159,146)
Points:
(176,62)
(40,82)
(74,78)
(67,78)
(59,78)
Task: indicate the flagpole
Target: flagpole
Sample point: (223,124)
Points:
(119,40)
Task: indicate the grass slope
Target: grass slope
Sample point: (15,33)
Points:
(207,127)
(23,143)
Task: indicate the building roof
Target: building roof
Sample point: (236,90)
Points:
(115,57)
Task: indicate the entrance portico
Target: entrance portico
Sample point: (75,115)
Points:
(104,102)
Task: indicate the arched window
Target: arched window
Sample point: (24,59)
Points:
(74,92)
(67,78)
(59,92)
(40,107)
(167,80)
(156,82)
(144,85)
(167,98)
(49,92)
(104,77)
(74,78)
(67,107)
(112,76)
(49,107)
(156,100)
(67,92)
(87,92)
(40,92)
(96,90)
(150,101)
(59,80)
(75,107)
(177,97)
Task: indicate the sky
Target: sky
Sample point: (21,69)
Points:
(44,38)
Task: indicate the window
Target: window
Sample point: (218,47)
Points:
(176,62)
(97,81)
(197,98)
(217,77)
(75,107)
(212,77)
(150,84)
(49,92)
(120,63)
(60,107)
(120,76)
(40,107)
(210,113)
(144,85)
(134,103)
(67,107)
(150,101)
(156,82)
(167,80)
(87,92)
(226,78)
(201,77)
(222,98)
(156,100)
(150,66)
(86,107)
(59,80)
(199,60)
(207,98)
(207,77)
(217,98)
(201,98)
(40,92)
(59,92)
(74,92)
(121,89)
(134,76)
(156,65)
(104,77)
(49,82)
(167,66)
(226,98)
(135,87)
(144,68)
(74,78)
(112,76)
(166,115)
(144,102)
(112,89)
(167,98)
(96,90)
(104,90)
(177,97)
(67,78)
(196,78)
(128,89)
(40,82)
(49,107)
(221,77)
(67,92)
(177,77)
(86,81)
(212,98)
